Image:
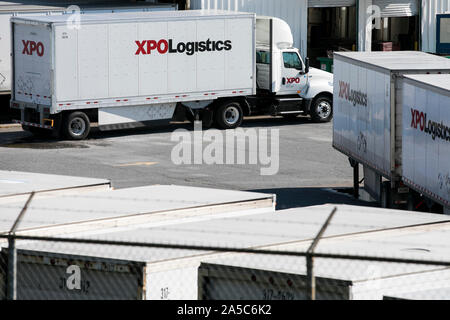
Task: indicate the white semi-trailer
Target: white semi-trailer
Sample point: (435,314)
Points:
(369,101)
(426,139)
(131,69)
(33,8)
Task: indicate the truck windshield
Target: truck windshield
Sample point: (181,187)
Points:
(291,60)
(262,57)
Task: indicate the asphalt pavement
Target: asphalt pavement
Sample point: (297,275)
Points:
(309,172)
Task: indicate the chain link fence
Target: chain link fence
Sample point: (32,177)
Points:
(205,263)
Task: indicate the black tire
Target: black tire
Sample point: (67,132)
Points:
(228,115)
(321,109)
(410,204)
(385,201)
(76,125)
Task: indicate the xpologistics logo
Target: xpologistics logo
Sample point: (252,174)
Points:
(163,46)
(435,129)
(353,96)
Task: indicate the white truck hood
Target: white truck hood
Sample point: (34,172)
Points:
(317,74)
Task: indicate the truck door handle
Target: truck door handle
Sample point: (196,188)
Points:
(283,81)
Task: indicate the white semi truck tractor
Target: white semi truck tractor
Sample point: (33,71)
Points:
(127,70)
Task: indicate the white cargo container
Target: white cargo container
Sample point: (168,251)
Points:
(426,137)
(367,121)
(172,273)
(16,186)
(125,70)
(159,204)
(278,277)
(33,8)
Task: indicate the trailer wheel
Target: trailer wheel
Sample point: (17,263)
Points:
(322,109)
(385,200)
(229,115)
(76,125)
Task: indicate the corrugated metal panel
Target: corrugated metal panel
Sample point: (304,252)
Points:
(429,10)
(397,8)
(294,12)
(331,3)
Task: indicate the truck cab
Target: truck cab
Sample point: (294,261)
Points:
(289,85)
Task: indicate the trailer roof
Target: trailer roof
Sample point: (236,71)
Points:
(421,243)
(160,201)
(14,183)
(37,6)
(239,230)
(440,82)
(398,60)
(136,16)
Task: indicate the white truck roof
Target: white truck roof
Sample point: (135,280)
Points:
(397,60)
(437,81)
(136,16)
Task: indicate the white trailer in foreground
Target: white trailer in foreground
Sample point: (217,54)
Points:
(172,274)
(367,123)
(159,204)
(126,70)
(426,138)
(277,277)
(34,8)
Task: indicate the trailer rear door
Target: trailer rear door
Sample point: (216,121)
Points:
(32,63)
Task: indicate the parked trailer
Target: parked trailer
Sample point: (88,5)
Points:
(126,70)
(33,8)
(172,274)
(159,204)
(432,294)
(367,122)
(16,186)
(426,138)
(278,277)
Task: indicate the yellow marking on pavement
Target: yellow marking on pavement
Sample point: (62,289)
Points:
(141,163)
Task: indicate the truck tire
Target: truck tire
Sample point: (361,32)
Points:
(321,109)
(229,115)
(76,125)
(385,196)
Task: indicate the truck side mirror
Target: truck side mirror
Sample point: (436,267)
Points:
(306,65)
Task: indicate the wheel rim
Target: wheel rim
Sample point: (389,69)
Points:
(323,109)
(231,115)
(77,126)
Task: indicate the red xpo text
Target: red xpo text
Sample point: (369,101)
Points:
(166,46)
(29,47)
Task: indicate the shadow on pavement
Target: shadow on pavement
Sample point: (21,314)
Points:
(303,197)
